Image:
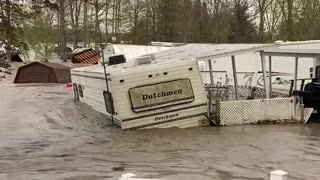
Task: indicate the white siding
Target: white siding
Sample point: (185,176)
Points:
(92,89)
(138,76)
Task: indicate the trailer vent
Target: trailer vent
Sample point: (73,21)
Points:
(152,56)
(142,60)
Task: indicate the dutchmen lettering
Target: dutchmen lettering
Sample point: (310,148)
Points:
(164,117)
(161,94)
(144,97)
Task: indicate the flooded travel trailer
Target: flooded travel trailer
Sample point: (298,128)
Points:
(146,95)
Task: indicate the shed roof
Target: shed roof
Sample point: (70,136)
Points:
(56,66)
(85,55)
(50,65)
(32,73)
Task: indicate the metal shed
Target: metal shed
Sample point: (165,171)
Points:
(37,72)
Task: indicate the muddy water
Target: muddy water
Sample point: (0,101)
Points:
(44,134)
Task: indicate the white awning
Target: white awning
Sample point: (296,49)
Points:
(304,53)
(209,51)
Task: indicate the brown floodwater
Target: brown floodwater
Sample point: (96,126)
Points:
(45,134)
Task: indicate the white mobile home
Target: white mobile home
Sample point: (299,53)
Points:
(145,96)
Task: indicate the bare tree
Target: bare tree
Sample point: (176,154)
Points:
(272,16)
(286,7)
(136,10)
(262,6)
(107,7)
(75,9)
(85,22)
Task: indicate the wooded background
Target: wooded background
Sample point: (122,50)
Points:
(47,23)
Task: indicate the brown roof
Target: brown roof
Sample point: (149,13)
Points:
(86,56)
(56,65)
(54,73)
(50,65)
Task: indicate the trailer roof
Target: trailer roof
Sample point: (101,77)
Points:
(305,53)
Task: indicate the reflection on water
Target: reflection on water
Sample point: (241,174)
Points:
(44,134)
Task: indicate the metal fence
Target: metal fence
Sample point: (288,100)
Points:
(227,92)
(278,110)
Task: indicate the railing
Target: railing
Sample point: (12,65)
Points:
(301,85)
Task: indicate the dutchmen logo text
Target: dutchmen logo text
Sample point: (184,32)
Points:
(165,117)
(161,94)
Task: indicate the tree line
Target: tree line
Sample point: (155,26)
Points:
(45,23)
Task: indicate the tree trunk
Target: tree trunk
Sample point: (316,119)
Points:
(154,24)
(118,20)
(135,24)
(290,21)
(76,25)
(72,17)
(8,30)
(85,22)
(63,31)
(113,17)
(261,25)
(107,12)
(97,28)
(8,20)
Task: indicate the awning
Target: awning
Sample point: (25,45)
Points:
(303,53)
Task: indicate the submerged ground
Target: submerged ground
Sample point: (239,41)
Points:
(44,134)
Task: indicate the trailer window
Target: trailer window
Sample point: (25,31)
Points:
(80,90)
(108,100)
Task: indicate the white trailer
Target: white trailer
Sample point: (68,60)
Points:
(162,95)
